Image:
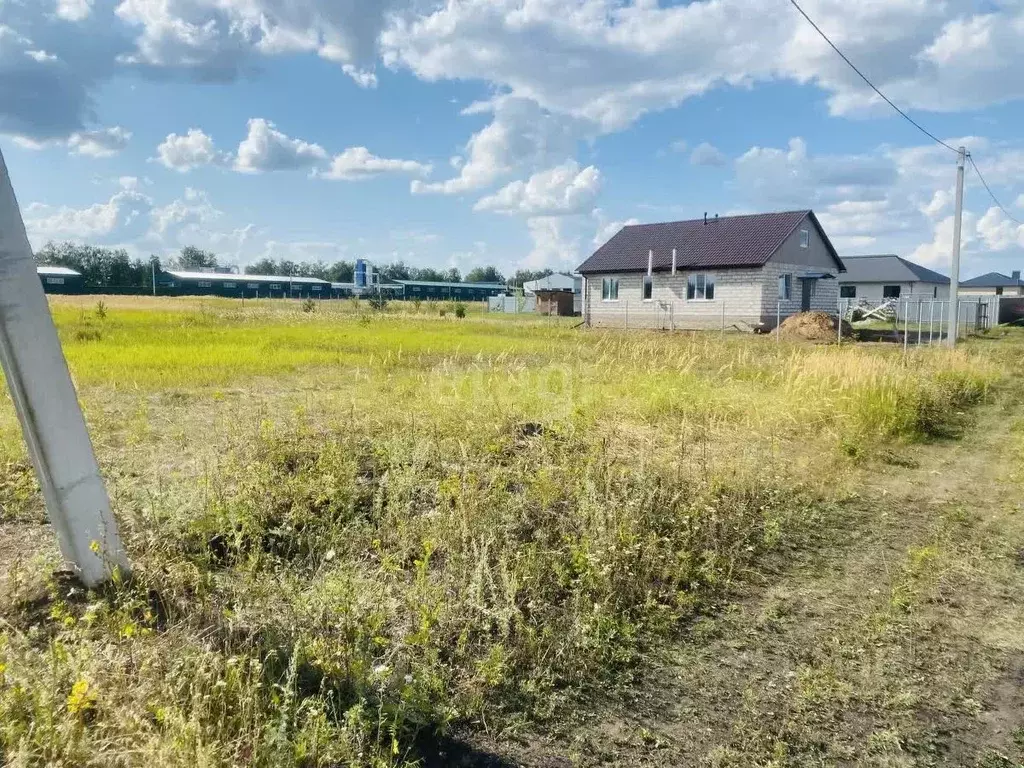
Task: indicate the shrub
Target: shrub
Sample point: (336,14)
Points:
(378,302)
(101,310)
(460,310)
(309,306)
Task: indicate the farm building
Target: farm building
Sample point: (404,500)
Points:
(734,271)
(181,283)
(874,279)
(557,294)
(60,279)
(994,284)
(427,290)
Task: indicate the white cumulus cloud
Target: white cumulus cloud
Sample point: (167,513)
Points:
(105,142)
(359,163)
(563,190)
(707,154)
(45,222)
(268,149)
(73,10)
(193,150)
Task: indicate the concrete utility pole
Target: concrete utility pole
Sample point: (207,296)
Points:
(51,419)
(954,274)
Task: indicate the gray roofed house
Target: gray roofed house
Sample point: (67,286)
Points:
(994,283)
(740,271)
(874,279)
(556,282)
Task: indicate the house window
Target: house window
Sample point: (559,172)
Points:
(229,285)
(847,291)
(610,289)
(785,287)
(316,287)
(253,286)
(205,284)
(55,281)
(890,291)
(935,292)
(700,287)
(648,287)
(275,287)
(999,291)
(805,238)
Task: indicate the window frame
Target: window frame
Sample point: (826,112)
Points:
(786,287)
(55,281)
(647,288)
(704,280)
(204,284)
(609,289)
(805,238)
(886,292)
(848,288)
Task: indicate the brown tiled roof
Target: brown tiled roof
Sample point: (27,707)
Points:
(729,241)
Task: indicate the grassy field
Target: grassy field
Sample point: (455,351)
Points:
(365,538)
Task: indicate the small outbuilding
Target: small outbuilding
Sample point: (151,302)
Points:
(60,279)
(558,294)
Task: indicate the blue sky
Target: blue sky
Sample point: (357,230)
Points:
(520,133)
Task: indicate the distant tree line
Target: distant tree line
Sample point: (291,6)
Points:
(113,267)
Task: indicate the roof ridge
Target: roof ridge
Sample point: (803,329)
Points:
(803,211)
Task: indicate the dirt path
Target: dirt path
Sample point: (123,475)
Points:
(897,640)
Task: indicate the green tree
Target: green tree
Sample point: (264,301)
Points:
(396,271)
(98,266)
(263,267)
(192,258)
(528,276)
(485,275)
(341,272)
(428,274)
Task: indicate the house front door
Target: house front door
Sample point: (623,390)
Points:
(805,297)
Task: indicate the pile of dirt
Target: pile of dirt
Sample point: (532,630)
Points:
(814,326)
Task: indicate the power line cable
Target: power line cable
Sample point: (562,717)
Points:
(991,194)
(864,77)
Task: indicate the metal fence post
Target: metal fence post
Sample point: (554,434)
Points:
(920,312)
(625,314)
(906,323)
(51,418)
(778,321)
(723,317)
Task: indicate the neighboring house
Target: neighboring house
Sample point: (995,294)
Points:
(995,284)
(874,279)
(557,294)
(60,279)
(736,270)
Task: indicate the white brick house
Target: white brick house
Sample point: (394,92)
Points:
(736,271)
